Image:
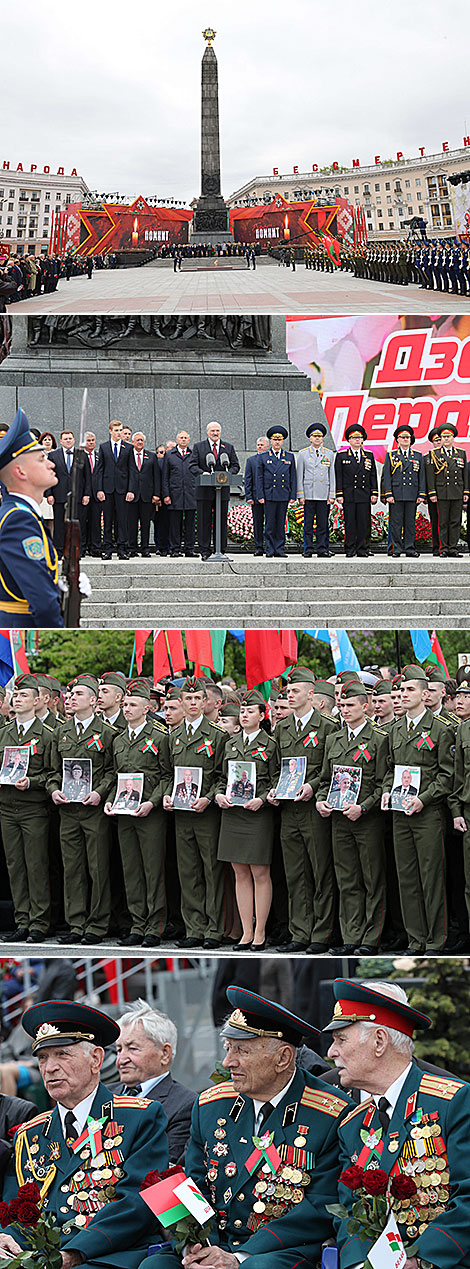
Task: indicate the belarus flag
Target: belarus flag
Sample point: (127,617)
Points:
(13,659)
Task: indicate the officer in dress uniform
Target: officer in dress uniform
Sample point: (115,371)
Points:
(356,489)
(358,844)
(316,489)
(436,442)
(276,486)
(404,486)
(273,1212)
(142,835)
(419,739)
(447,481)
(91,1153)
(29,567)
(414,1126)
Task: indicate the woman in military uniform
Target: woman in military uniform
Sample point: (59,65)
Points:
(248,847)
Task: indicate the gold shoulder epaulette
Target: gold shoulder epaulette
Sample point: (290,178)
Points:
(125,1099)
(439,1086)
(33,1123)
(217,727)
(329,1103)
(357,1110)
(448,722)
(159,726)
(225,1089)
(48,728)
(381,730)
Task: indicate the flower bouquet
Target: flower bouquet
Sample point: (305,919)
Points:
(371,1214)
(240,525)
(179,1206)
(40,1232)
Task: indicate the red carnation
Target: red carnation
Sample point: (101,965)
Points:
(29,1193)
(375,1181)
(403,1187)
(352,1177)
(28,1213)
(151,1179)
(5,1217)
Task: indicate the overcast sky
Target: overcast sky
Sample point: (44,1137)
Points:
(113,88)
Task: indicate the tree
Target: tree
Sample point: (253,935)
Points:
(443,994)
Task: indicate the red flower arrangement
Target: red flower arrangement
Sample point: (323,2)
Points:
(375,1181)
(373,1191)
(40,1233)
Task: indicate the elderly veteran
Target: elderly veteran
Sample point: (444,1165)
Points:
(90,1154)
(414,1124)
(273,1212)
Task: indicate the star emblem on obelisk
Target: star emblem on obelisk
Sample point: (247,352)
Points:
(209,35)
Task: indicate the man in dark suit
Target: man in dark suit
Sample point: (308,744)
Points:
(112,479)
(145,1050)
(402,791)
(179,495)
(90,518)
(63,459)
(13,1111)
(144,484)
(257,508)
(222,457)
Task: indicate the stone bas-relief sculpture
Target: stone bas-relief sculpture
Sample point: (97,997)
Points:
(195,332)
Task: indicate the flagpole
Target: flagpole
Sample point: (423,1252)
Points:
(397,650)
(167,645)
(131,667)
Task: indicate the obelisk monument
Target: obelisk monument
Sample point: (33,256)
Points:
(211,218)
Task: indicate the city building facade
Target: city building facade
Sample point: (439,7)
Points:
(29,200)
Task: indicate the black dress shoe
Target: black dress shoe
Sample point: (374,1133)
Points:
(189,942)
(131,940)
(294,946)
(205,555)
(92,939)
(36,936)
(258,947)
(16,936)
(241,947)
(71,936)
(456,555)
(366,949)
(190,555)
(259,552)
(317,949)
(348,949)
(145,555)
(150,940)
(211,944)
(412,555)
(106,555)
(307,555)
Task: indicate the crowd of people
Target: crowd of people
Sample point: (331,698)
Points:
(271,1146)
(433,265)
(335,820)
(23,276)
(205,250)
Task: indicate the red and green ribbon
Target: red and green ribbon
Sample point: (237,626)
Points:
(150,744)
(311,739)
(33,745)
(91,1136)
(205,747)
(266,1150)
(94,742)
(425,739)
(362,749)
(259,753)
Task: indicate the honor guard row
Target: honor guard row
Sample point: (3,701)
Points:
(363,812)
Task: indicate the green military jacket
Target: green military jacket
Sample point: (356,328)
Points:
(369,751)
(95,1199)
(431,747)
(142,755)
(447,475)
(256,1211)
(263,751)
(205,749)
(38,738)
(95,743)
(460,789)
(426,1101)
(309,742)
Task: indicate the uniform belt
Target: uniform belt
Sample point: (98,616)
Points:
(21,606)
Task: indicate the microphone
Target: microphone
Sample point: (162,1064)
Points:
(224,459)
(210,460)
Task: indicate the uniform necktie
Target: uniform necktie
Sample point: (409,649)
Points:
(384,1118)
(115,453)
(246,742)
(411,725)
(20,730)
(263,1114)
(79,727)
(139,461)
(215,452)
(298,726)
(133,1090)
(132,736)
(189,729)
(71,1133)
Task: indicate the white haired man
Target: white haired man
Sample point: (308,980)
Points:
(411,1118)
(146,1049)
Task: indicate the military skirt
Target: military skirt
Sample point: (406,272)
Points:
(246,837)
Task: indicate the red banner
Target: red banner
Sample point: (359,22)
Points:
(137,226)
(284,224)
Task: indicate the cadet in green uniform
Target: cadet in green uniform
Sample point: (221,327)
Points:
(358,844)
(24,816)
(48,686)
(383,704)
(84,836)
(112,687)
(247,845)
(447,480)
(415,1125)
(434,695)
(421,740)
(142,834)
(459,799)
(91,1153)
(273,1215)
(198,743)
(305,836)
